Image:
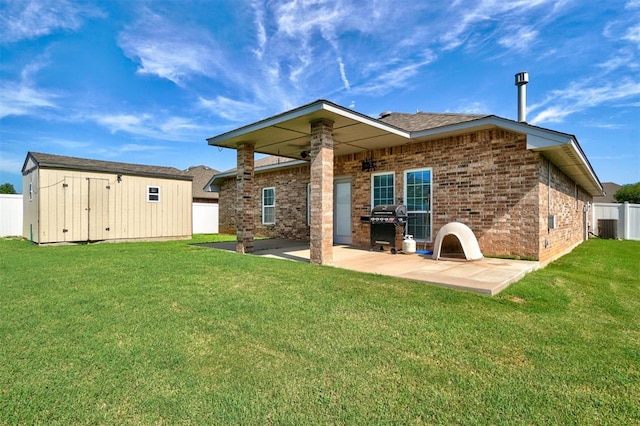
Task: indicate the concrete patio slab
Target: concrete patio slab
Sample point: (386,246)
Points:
(486,276)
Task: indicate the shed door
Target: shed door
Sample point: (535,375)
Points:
(75,209)
(98,209)
(86,209)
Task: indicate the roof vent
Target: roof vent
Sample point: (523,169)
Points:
(385,114)
(522,78)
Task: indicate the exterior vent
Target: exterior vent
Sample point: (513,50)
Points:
(385,114)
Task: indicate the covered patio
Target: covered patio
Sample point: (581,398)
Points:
(487,276)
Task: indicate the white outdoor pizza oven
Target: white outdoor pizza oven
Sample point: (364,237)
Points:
(456,240)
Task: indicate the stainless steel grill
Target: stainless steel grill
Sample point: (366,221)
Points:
(386,220)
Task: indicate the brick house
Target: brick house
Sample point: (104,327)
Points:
(523,190)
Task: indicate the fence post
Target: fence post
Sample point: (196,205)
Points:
(626,222)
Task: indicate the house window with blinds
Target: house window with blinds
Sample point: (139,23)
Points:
(268,206)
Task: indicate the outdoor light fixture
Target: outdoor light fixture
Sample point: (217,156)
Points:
(119,178)
(369,165)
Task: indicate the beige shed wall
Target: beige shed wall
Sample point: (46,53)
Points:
(119,210)
(30,202)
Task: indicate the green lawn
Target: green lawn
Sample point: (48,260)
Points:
(170,333)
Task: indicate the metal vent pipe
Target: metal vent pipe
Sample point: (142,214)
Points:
(522,78)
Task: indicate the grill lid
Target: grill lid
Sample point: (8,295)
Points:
(389,210)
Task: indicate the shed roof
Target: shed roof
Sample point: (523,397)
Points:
(50,161)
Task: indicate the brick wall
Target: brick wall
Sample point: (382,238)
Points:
(487,180)
(291,204)
(566,201)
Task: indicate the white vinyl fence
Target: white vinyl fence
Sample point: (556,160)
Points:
(205,216)
(10,215)
(627,216)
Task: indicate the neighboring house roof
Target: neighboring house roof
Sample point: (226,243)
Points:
(51,161)
(260,165)
(288,135)
(610,188)
(201,177)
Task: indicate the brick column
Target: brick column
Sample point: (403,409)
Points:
(245,207)
(321,192)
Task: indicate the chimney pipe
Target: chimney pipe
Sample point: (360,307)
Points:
(522,78)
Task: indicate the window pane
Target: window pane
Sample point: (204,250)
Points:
(269,215)
(418,198)
(383,189)
(268,205)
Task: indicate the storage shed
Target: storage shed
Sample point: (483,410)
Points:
(68,199)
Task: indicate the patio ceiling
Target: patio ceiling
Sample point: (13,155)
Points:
(288,134)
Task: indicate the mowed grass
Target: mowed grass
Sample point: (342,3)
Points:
(171,333)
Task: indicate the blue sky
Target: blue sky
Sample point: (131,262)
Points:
(148,81)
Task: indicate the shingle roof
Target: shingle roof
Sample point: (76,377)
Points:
(201,177)
(426,120)
(73,163)
(610,188)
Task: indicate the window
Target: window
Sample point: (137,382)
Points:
(153,194)
(382,189)
(268,206)
(417,192)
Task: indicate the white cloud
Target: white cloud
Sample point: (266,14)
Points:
(31,19)
(582,95)
(633,34)
(10,164)
(168,51)
(623,58)
(152,126)
(464,21)
(23,97)
(519,38)
(395,76)
(632,4)
(343,74)
(230,109)
(17,98)
(473,107)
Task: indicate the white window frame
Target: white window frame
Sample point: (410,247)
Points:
(429,210)
(393,196)
(269,206)
(150,194)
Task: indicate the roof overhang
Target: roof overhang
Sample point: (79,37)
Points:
(288,135)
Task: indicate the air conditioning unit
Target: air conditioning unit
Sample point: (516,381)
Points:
(608,228)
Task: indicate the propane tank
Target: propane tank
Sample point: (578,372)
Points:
(409,244)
